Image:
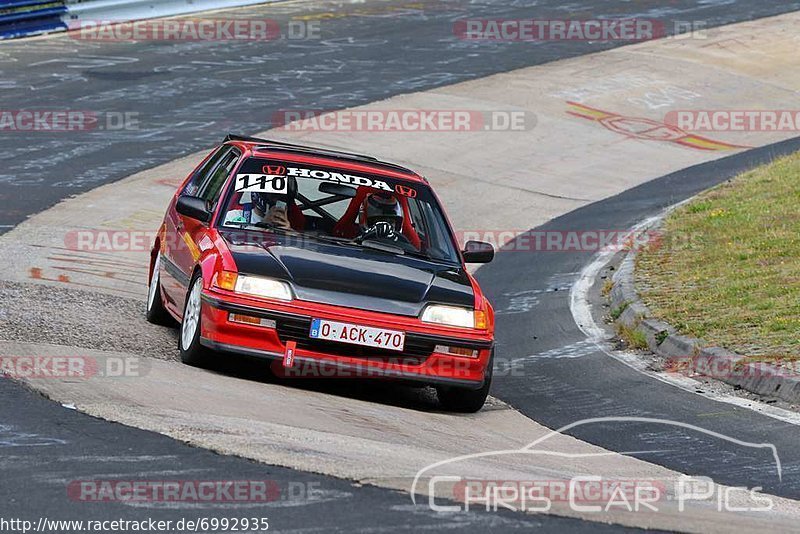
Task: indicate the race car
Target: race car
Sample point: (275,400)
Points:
(327,263)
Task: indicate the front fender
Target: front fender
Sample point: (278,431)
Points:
(214,257)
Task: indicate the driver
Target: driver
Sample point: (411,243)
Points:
(382,217)
(264,207)
(268,207)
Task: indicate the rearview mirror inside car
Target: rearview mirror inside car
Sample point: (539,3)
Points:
(337,189)
(478,252)
(193,207)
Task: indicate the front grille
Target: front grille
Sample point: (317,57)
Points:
(416,350)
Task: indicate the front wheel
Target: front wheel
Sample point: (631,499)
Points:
(192,352)
(463,400)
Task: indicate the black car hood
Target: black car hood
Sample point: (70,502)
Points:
(350,276)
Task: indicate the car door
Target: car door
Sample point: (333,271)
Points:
(188,232)
(171,277)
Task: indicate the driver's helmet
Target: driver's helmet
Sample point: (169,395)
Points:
(382,207)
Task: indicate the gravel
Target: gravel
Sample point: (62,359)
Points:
(77,318)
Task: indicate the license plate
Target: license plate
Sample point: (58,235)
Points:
(357,335)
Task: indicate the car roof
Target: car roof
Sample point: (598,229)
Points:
(323,156)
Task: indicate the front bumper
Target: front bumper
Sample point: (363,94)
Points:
(419,362)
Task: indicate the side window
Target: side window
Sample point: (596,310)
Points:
(439,236)
(200,174)
(211,187)
(416,216)
(417,220)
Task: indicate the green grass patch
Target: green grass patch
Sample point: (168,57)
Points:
(617,312)
(661,337)
(727,269)
(634,338)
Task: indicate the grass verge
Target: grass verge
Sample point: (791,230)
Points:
(727,268)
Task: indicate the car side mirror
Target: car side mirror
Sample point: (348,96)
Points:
(193,207)
(478,252)
(340,190)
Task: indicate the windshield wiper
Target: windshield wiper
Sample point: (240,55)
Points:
(331,239)
(382,247)
(363,243)
(264,225)
(423,256)
(270,226)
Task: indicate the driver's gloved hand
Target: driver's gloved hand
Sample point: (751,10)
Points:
(384,230)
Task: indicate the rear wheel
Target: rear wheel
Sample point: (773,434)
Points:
(192,352)
(156,312)
(463,400)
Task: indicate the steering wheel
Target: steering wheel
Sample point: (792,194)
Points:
(384,230)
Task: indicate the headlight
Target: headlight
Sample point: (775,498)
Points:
(449,315)
(263,287)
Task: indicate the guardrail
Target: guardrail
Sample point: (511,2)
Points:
(122,10)
(19,18)
(29,17)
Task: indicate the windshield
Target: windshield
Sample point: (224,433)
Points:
(336,206)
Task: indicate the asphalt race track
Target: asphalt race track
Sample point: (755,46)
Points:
(185,95)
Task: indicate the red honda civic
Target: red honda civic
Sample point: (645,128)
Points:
(327,263)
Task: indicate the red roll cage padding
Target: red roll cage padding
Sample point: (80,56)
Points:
(347,226)
(296,217)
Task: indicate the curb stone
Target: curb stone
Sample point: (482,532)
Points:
(693,356)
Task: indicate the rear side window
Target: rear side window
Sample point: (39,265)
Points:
(211,187)
(193,187)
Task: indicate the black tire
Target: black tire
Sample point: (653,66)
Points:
(191,351)
(155,312)
(463,400)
